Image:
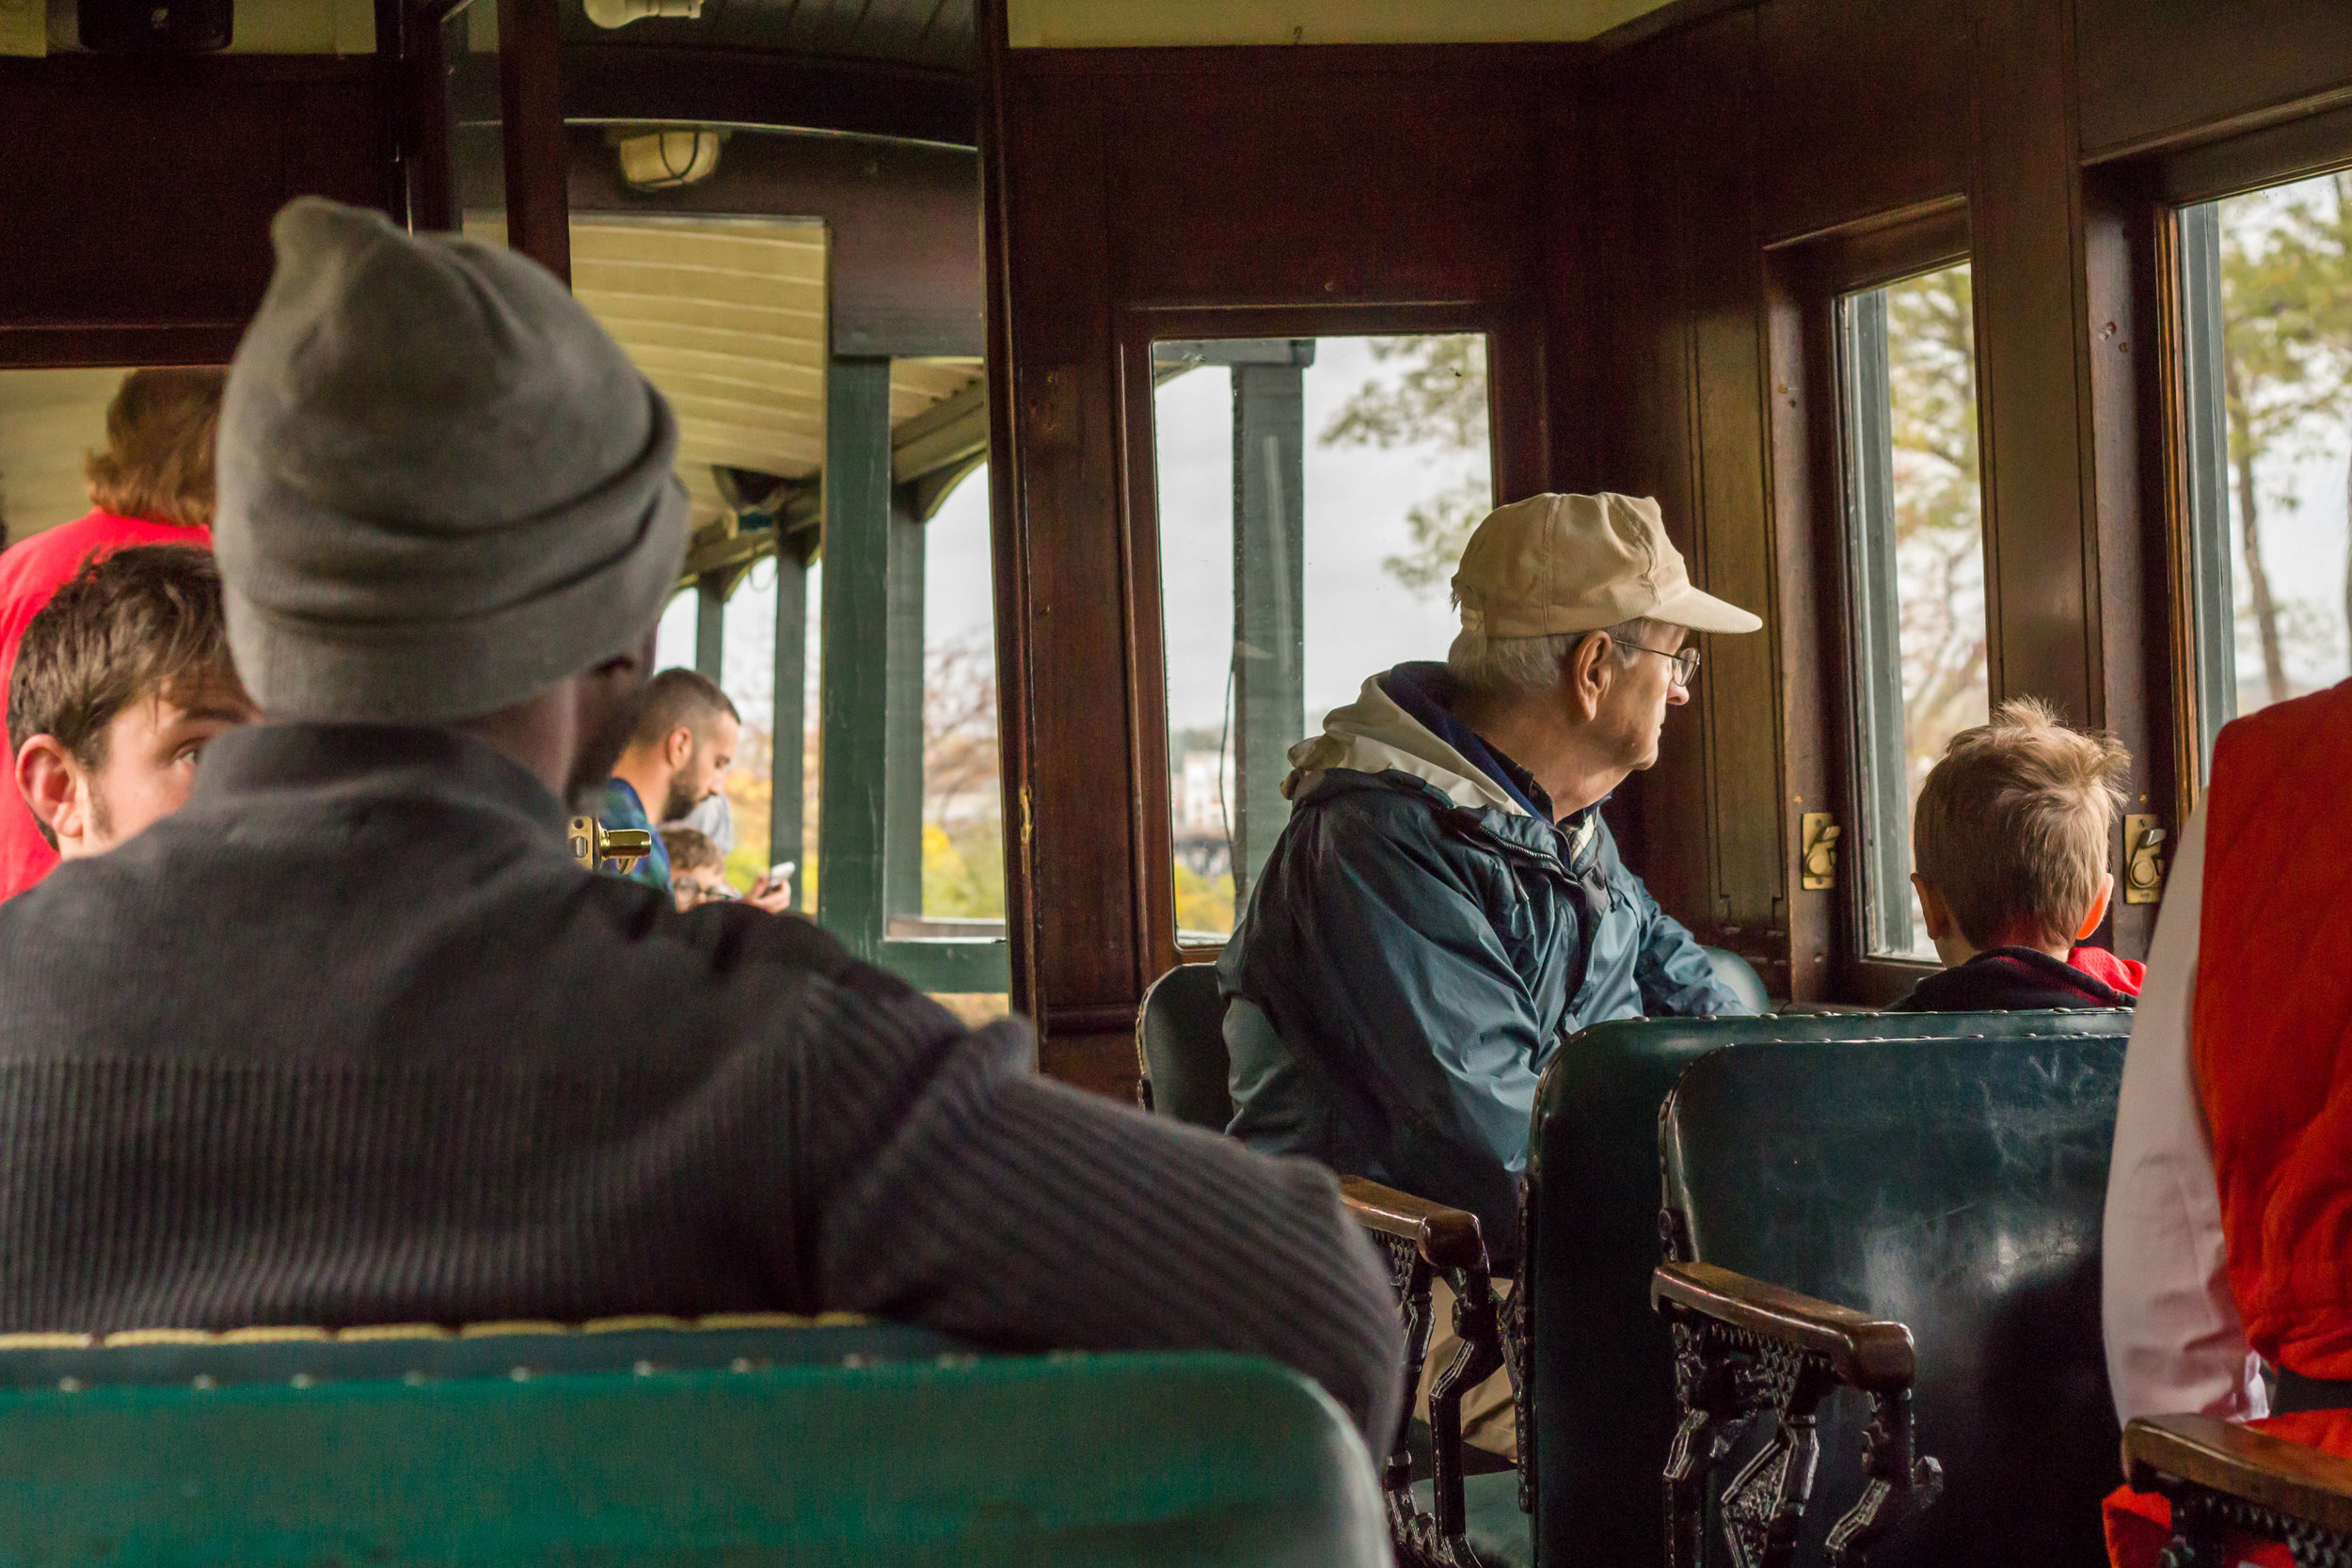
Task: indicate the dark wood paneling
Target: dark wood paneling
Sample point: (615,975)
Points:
(2040,546)
(538,219)
(2121,221)
(1076,800)
(1747,882)
(2153,71)
(1865,109)
(1244,200)
(141,191)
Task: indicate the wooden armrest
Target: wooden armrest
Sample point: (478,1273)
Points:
(1863,1351)
(2306,1482)
(1448,1238)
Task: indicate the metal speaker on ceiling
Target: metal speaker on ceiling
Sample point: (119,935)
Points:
(665,159)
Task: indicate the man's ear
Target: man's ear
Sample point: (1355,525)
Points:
(677,747)
(1588,670)
(51,783)
(2098,907)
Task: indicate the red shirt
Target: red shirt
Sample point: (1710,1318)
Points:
(2124,974)
(29,574)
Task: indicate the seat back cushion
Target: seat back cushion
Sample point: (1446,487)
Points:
(1601,1363)
(1955,1185)
(1180,1035)
(1740,977)
(1202,1459)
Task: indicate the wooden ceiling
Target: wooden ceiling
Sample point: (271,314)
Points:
(726,316)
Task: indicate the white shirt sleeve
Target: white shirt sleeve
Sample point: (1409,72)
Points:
(2174,1342)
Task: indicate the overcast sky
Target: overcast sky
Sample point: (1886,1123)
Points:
(1360,619)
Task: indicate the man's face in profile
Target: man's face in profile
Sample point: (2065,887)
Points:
(706,767)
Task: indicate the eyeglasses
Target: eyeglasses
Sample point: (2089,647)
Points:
(696,894)
(1686,663)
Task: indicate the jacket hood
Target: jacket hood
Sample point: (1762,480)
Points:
(1377,733)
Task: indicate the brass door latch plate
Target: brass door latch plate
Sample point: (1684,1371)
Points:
(2143,867)
(1819,868)
(592,844)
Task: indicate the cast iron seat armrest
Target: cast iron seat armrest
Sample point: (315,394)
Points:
(2226,1479)
(1744,1348)
(1422,1240)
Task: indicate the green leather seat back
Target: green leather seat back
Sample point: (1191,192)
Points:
(770,1458)
(1740,977)
(1601,1363)
(1179,1034)
(1956,1185)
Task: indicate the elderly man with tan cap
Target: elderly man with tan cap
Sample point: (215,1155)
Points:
(1445,902)
(351,1039)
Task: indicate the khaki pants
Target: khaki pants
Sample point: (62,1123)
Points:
(1488,1420)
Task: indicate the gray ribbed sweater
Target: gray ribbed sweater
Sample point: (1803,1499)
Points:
(349,1040)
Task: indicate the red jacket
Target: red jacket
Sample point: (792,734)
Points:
(2271,1039)
(29,574)
(2271,1036)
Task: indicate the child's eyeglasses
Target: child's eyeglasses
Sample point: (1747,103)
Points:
(1686,663)
(693,893)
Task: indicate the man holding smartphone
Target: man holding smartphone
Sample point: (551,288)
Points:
(677,756)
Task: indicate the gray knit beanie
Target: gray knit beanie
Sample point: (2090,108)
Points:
(444,487)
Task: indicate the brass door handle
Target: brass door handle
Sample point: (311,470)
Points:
(1818,864)
(592,844)
(2143,871)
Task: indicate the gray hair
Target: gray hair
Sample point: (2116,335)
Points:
(1522,666)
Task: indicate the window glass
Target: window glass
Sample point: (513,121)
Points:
(1314,495)
(2266,302)
(48,421)
(1914,513)
(964,823)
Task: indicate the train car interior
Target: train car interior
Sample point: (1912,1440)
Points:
(1090,415)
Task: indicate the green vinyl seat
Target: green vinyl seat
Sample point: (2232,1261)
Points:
(1953,1186)
(1600,1405)
(832,1444)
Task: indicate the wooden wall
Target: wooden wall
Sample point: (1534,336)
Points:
(1299,187)
(137,193)
(1721,143)
(1642,212)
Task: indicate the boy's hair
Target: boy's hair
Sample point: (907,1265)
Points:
(146,620)
(158,462)
(2012,826)
(679,696)
(690,849)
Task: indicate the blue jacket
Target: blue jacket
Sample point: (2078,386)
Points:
(1419,942)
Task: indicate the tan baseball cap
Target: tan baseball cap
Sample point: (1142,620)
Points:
(1564,563)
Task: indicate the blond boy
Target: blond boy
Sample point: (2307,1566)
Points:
(2011,839)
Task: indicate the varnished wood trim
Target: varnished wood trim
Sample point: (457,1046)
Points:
(2305,1482)
(1448,1238)
(1866,1351)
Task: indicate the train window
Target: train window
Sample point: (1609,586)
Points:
(963,817)
(1915,519)
(1314,495)
(2266,349)
(49,419)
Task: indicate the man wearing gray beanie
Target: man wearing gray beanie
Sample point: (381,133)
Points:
(350,1039)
